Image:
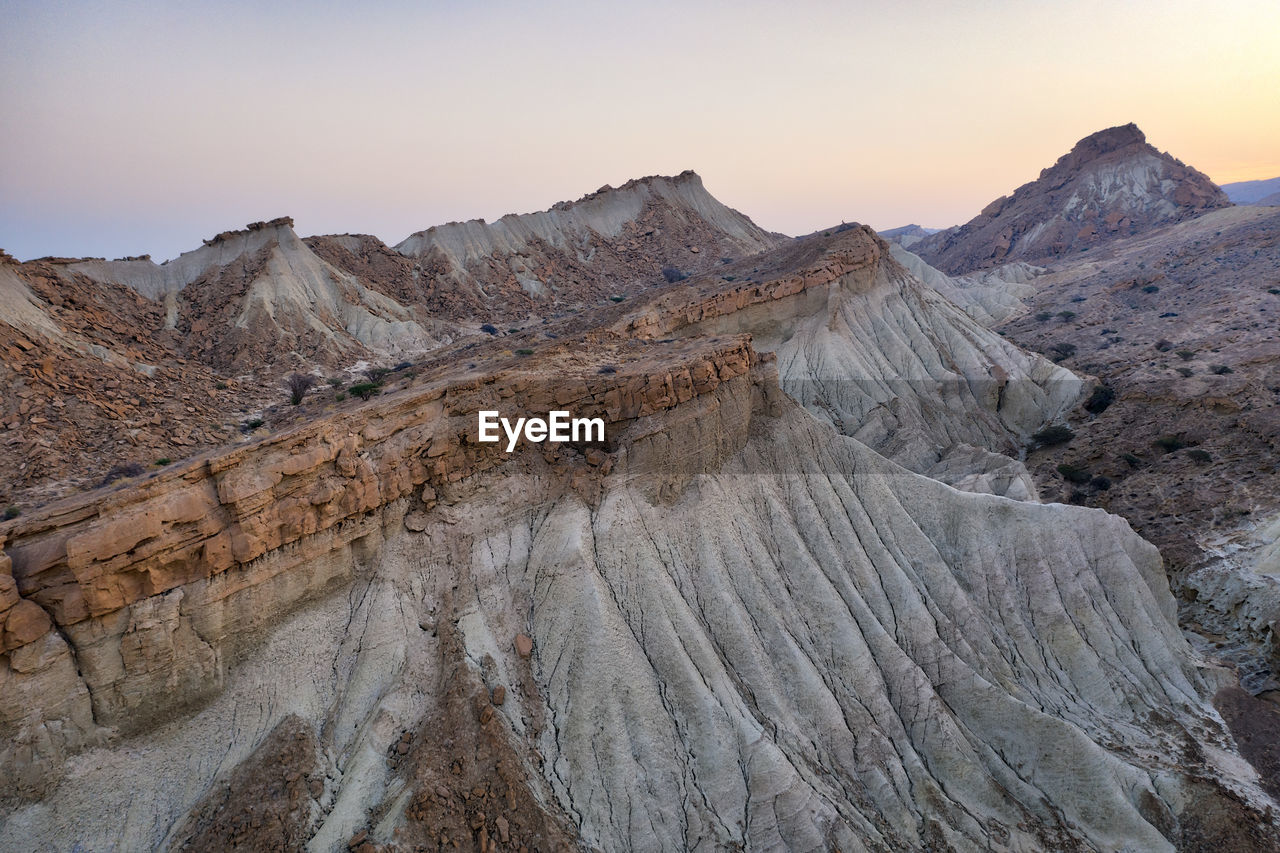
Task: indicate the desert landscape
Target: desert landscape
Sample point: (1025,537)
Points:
(916,538)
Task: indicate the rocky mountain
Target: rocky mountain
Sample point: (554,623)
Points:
(907,235)
(734,623)
(249,298)
(104,355)
(607,243)
(1111,184)
(1265,192)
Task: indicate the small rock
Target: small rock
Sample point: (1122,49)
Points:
(499,695)
(524,645)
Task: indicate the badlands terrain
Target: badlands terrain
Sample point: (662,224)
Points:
(864,562)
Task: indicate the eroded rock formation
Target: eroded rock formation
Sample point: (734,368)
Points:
(727,625)
(1111,184)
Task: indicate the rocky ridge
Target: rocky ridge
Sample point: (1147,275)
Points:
(728,625)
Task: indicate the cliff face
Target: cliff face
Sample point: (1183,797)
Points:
(1111,184)
(728,624)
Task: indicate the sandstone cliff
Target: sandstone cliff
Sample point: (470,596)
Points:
(727,625)
(1111,184)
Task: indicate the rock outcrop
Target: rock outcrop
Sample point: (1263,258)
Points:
(608,243)
(1111,184)
(258,296)
(727,625)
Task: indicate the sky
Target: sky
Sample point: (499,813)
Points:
(144,127)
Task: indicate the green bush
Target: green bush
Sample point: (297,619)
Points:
(1185,371)
(252,424)
(1044,317)
(1051,435)
(524,352)
(11,511)
(1074,473)
(1201,456)
(1133,460)
(1186,354)
(165,460)
(365,390)
(617,298)
(1151,288)
(1220,369)
(1064,316)
(1169,443)
(1061,350)
(1100,483)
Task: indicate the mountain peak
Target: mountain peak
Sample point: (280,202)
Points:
(1111,184)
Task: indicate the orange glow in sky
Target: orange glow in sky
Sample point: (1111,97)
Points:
(143,127)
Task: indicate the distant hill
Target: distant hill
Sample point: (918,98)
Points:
(1111,184)
(1265,192)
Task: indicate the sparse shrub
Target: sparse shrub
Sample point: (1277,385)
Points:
(220,386)
(1220,369)
(617,298)
(524,352)
(1151,288)
(607,368)
(1133,460)
(1062,350)
(1064,316)
(1100,483)
(726,260)
(1185,371)
(298,384)
(1077,299)
(672,275)
(1044,317)
(1098,401)
(1168,314)
(729,277)
(163,461)
(1164,345)
(1186,354)
(1078,497)
(1074,473)
(11,512)
(1107,332)
(1273,290)
(513,330)
(334,381)
(404,365)
(376,374)
(1169,443)
(251,424)
(1201,456)
(124,469)
(365,390)
(340,396)
(1051,435)
(489,329)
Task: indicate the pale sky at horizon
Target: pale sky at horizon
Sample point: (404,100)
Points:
(143,127)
